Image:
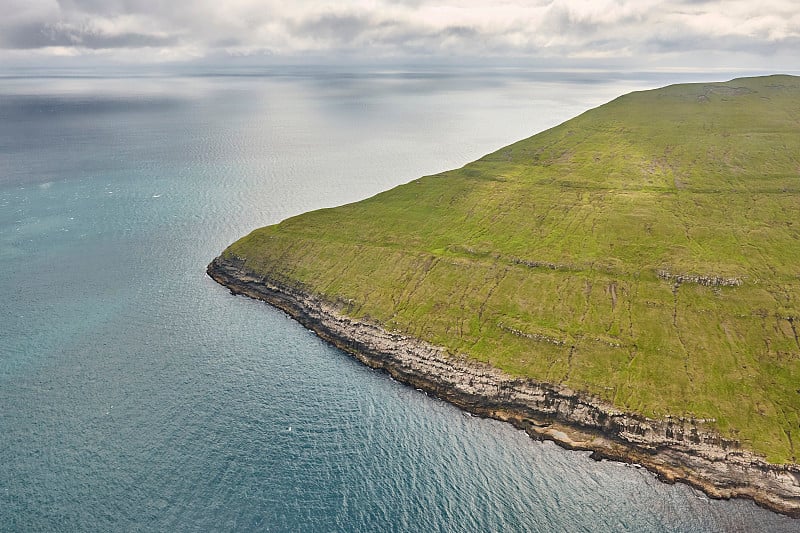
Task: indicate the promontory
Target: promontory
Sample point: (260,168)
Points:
(627,282)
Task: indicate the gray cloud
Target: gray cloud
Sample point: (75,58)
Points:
(626,31)
(699,43)
(335,28)
(46,35)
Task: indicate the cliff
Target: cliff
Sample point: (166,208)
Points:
(626,282)
(677,449)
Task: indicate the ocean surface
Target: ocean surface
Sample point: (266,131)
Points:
(138,395)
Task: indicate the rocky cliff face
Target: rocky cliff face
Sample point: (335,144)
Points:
(677,449)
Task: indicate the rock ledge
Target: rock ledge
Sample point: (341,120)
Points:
(676,449)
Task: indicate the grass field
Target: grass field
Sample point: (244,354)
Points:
(646,251)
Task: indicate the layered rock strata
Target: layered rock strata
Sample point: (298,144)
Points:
(676,449)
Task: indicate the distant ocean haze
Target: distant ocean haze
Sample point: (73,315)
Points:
(135,393)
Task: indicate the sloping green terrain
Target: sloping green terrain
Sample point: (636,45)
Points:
(647,251)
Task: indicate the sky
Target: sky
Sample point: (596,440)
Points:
(635,34)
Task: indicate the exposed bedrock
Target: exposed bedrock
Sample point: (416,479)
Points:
(677,449)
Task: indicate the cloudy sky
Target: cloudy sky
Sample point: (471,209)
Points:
(633,33)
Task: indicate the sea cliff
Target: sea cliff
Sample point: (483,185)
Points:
(676,449)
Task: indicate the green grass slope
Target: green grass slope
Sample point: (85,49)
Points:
(646,251)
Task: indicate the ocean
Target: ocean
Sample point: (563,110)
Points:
(138,395)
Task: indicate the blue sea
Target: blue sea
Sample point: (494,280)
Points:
(138,395)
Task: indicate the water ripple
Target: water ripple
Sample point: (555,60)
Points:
(136,394)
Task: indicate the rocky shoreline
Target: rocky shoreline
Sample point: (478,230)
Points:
(676,449)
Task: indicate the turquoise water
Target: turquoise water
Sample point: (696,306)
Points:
(136,394)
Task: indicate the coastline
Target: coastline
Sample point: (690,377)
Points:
(676,449)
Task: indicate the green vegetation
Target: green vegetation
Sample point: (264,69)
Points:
(558,257)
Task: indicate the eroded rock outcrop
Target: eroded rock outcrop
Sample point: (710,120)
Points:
(677,449)
(706,281)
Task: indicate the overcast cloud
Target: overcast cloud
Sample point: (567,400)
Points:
(633,32)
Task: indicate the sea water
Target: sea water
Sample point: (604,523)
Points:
(138,395)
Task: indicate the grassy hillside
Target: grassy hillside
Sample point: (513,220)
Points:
(647,251)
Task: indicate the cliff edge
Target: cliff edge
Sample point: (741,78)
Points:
(677,449)
(627,282)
